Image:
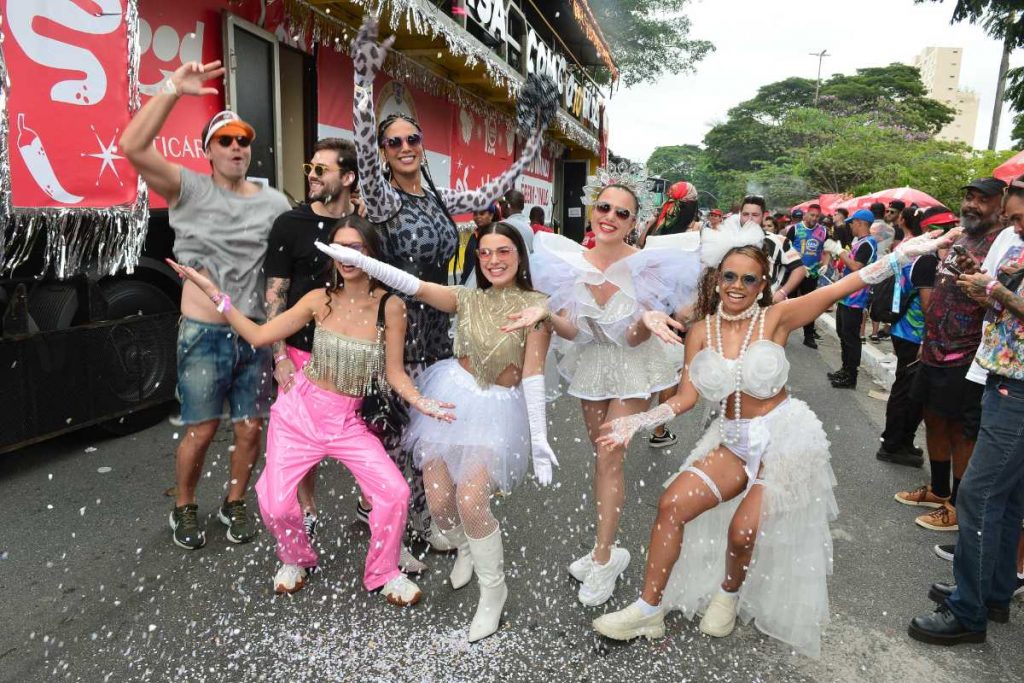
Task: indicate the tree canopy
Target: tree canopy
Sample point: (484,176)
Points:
(649,38)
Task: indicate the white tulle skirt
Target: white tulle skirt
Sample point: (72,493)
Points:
(598,371)
(491,428)
(785,592)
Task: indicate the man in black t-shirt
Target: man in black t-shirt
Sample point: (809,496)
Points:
(294,266)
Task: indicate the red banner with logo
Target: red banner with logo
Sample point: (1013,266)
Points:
(68,103)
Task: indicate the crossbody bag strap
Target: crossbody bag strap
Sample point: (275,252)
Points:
(380,310)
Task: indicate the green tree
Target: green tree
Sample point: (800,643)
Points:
(649,38)
(980,11)
(675,163)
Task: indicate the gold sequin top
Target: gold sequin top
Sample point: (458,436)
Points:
(349,364)
(478,335)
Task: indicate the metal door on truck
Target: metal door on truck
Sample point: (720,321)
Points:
(254,92)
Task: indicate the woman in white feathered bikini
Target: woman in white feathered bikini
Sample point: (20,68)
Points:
(761,472)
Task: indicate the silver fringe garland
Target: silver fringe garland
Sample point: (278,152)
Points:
(107,240)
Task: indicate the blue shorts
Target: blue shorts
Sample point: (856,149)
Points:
(216,365)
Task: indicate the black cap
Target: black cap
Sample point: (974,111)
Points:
(987,186)
(897,204)
(798,213)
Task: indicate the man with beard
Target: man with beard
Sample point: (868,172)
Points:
(808,238)
(294,266)
(952,332)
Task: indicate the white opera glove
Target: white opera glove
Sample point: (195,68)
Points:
(395,278)
(907,251)
(623,428)
(543,457)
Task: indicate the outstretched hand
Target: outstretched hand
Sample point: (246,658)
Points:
(344,255)
(188,78)
(434,408)
(367,54)
(928,243)
(204,283)
(528,317)
(660,324)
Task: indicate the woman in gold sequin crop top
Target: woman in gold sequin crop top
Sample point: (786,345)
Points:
(318,414)
(496,381)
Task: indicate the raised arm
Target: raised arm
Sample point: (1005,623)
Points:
(480,198)
(381,200)
(281,327)
(136,142)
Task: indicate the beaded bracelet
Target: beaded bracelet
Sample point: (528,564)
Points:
(223,302)
(278,359)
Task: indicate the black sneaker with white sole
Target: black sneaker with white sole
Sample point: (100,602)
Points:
(184,522)
(310,522)
(945,551)
(362,514)
(662,440)
(235,517)
(1020,586)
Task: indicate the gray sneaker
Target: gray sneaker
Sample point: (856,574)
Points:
(235,517)
(184,522)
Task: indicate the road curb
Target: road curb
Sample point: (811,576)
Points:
(881,366)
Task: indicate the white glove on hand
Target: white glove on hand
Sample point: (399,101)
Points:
(543,457)
(907,251)
(622,429)
(392,277)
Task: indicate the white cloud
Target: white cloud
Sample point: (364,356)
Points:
(762,41)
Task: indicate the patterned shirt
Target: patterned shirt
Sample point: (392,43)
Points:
(913,278)
(952,321)
(1002,334)
(865,251)
(809,242)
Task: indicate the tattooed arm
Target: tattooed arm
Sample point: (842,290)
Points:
(479,199)
(975,286)
(277,303)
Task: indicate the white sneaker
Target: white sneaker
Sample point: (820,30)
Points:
(580,567)
(437,540)
(720,618)
(401,591)
(630,623)
(290,578)
(599,583)
(408,563)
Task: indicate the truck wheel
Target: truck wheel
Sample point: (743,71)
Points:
(141,367)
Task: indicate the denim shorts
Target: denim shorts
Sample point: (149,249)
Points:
(216,365)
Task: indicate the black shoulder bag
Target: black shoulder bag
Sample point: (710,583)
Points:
(384,413)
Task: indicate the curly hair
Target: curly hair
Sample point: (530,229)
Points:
(708,297)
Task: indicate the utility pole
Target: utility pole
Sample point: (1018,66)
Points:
(1004,65)
(817,84)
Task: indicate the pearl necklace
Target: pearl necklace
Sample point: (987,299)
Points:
(755,315)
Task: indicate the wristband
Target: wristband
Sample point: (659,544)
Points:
(169,87)
(223,302)
(278,359)
(990,286)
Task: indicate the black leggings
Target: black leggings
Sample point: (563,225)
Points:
(848,322)
(806,286)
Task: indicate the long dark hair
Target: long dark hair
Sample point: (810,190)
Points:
(708,296)
(523,279)
(371,247)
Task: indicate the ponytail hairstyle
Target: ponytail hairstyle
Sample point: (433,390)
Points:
(708,297)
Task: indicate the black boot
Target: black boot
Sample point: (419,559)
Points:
(940,591)
(941,627)
(838,374)
(899,456)
(847,381)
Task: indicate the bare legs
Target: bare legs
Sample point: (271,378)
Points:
(191,455)
(609,484)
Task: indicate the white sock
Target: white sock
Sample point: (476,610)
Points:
(733,595)
(646,609)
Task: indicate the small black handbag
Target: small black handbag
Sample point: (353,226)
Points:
(384,413)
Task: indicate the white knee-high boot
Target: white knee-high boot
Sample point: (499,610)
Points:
(462,570)
(489,562)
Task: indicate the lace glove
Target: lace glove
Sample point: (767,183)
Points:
(907,251)
(543,457)
(622,429)
(392,277)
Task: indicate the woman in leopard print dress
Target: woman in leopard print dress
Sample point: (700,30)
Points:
(415,218)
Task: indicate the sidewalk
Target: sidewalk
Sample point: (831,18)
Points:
(879,364)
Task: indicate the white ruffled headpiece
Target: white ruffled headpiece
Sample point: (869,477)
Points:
(715,244)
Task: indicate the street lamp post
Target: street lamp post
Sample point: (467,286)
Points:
(817,84)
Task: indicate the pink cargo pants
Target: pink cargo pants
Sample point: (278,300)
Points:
(306,425)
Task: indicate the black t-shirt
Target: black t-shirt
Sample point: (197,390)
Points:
(864,253)
(922,274)
(291,255)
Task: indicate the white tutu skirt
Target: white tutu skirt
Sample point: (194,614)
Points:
(785,592)
(598,371)
(491,428)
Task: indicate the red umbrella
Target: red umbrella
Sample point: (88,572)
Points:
(827,202)
(907,195)
(803,206)
(1011,168)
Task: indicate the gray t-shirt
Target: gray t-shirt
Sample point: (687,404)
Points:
(226,233)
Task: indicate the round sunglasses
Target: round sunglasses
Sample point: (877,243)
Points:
(605,207)
(414,140)
(319,169)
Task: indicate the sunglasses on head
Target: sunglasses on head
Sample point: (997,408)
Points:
(319,169)
(226,140)
(605,207)
(749,280)
(395,142)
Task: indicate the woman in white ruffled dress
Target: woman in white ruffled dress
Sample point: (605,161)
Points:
(760,473)
(607,356)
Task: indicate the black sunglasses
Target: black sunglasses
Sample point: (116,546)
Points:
(414,140)
(605,207)
(226,140)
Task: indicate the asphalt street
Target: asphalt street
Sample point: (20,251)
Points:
(94,590)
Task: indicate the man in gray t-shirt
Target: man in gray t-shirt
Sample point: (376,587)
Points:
(221,223)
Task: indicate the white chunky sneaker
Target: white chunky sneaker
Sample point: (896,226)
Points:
(408,563)
(290,578)
(401,591)
(580,567)
(630,623)
(599,583)
(720,618)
